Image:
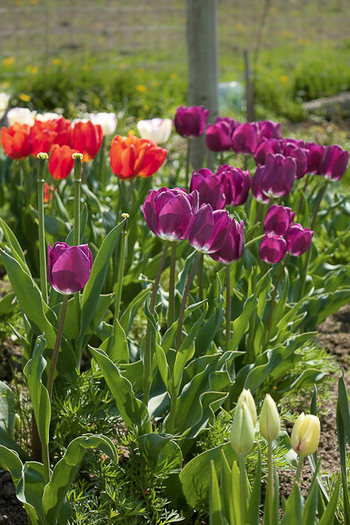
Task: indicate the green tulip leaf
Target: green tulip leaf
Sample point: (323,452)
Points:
(214,498)
(39,395)
(65,470)
(29,491)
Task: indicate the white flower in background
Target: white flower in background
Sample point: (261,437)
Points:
(155,129)
(21,116)
(4,102)
(107,121)
(48,116)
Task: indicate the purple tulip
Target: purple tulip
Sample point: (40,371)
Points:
(334,162)
(246,138)
(270,129)
(233,248)
(167,212)
(236,184)
(298,239)
(208,229)
(314,157)
(68,267)
(272,248)
(299,155)
(266,146)
(278,219)
(209,187)
(218,137)
(275,179)
(190,122)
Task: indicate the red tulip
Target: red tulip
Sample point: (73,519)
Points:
(87,139)
(61,161)
(42,137)
(16,141)
(132,156)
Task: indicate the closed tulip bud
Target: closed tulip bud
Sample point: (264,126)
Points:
(243,425)
(236,184)
(61,161)
(266,146)
(314,157)
(208,229)
(278,219)
(278,175)
(270,129)
(269,419)
(156,129)
(68,267)
(218,137)
(305,434)
(298,239)
(190,122)
(87,138)
(272,248)
(233,248)
(299,155)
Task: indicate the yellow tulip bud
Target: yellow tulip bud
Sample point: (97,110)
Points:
(305,434)
(269,419)
(243,426)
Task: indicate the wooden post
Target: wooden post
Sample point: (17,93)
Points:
(202,69)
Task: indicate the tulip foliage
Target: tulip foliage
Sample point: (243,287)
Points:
(182,301)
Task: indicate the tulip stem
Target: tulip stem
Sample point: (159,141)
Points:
(228,305)
(270,487)
(171,309)
(77,185)
(102,166)
(119,284)
(41,217)
(243,486)
(187,164)
(54,358)
(147,379)
(273,298)
(299,467)
(200,277)
(184,300)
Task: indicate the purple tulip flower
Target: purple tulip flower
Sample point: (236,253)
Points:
(167,212)
(208,229)
(298,239)
(236,184)
(278,220)
(267,146)
(270,129)
(299,155)
(275,179)
(190,122)
(272,248)
(246,138)
(209,187)
(233,248)
(334,162)
(314,157)
(68,267)
(218,137)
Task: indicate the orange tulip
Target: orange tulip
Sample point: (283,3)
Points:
(16,141)
(132,156)
(87,139)
(61,161)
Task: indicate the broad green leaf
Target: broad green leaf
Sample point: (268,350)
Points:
(8,305)
(321,306)
(92,290)
(10,461)
(236,494)
(30,490)
(132,410)
(252,517)
(7,421)
(162,365)
(310,507)
(329,515)
(227,501)
(294,507)
(195,476)
(214,498)
(160,452)
(14,245)
(39,395)
(116,346)
(343,431)
(54,226)
(65,470)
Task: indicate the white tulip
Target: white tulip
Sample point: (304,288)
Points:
(48,116)
(107,121)
(21,116)
(156,129)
